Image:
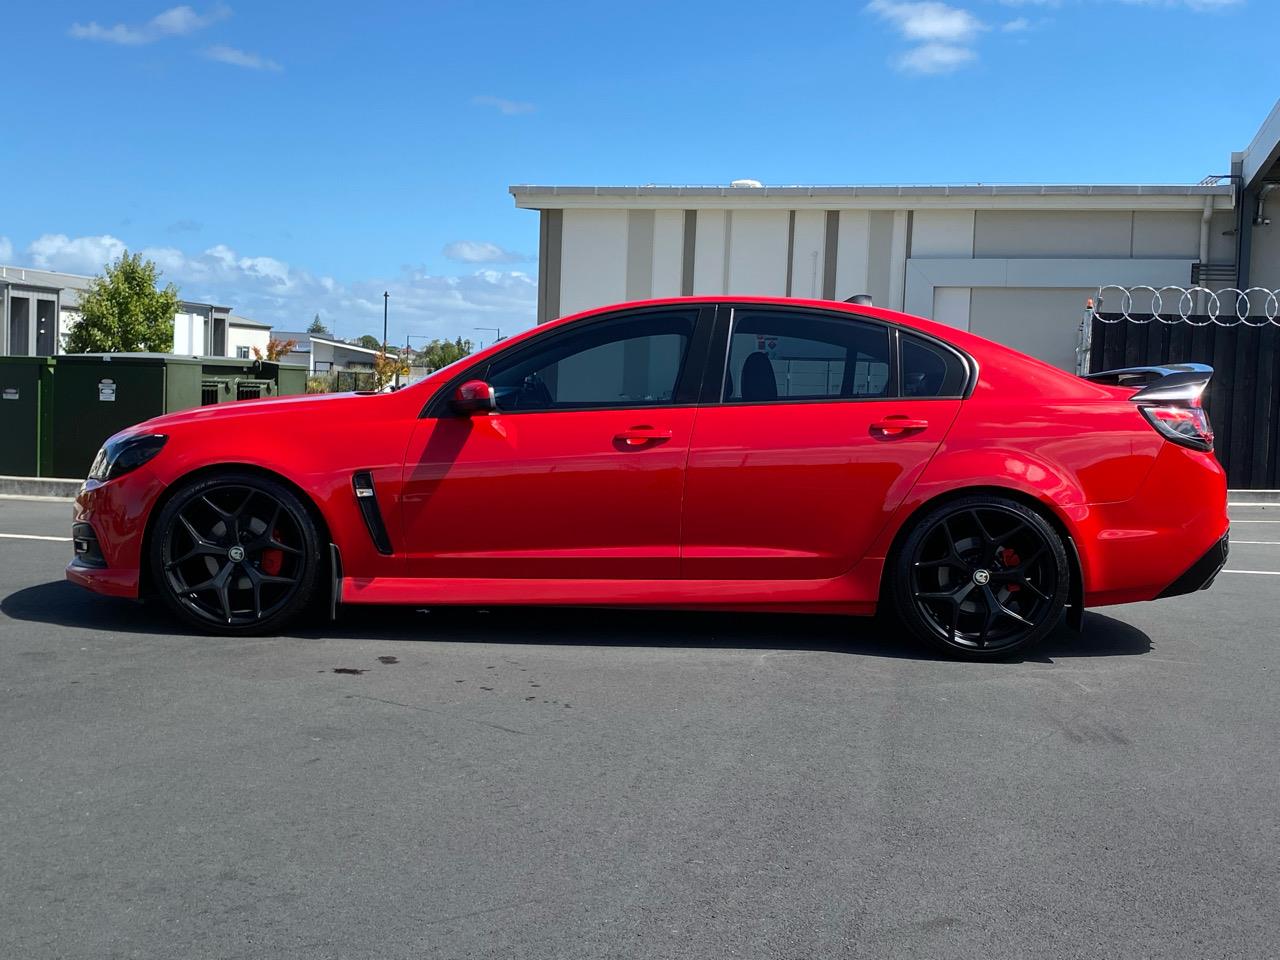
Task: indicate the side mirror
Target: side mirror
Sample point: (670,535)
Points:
(474,396)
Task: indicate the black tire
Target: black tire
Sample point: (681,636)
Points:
(236,553)
(980,577)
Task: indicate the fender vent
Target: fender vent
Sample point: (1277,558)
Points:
(367,499)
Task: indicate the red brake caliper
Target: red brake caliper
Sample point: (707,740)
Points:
(272,559)
(1009,558)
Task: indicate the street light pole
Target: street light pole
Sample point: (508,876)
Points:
(497,330)
(385,297)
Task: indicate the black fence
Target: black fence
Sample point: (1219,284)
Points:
(1243,401)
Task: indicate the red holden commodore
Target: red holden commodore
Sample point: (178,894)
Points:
(713,453)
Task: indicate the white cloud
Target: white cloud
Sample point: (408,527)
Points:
(6,250)
(928,21)
(508,107)
(1017,25)
(943,34)
(934,58)
(241,58)
(270,289)
(88,255)
(174,22)
(480,251)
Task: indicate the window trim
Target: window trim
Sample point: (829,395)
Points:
(712,393)
(689,382)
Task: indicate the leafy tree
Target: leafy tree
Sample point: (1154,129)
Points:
(369,342)
(276,349)
(386,366)
(441,353)
(317,326)
(122,311)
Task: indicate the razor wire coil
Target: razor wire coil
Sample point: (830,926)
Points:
(1237,304)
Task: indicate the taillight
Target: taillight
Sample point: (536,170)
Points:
(1186,424)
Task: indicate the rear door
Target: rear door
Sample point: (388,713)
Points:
(580,471)
(812,432)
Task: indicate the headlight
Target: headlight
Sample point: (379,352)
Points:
(119,456)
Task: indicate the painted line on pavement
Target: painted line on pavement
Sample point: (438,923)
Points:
(32,536)
(1258,543)
(1261,573)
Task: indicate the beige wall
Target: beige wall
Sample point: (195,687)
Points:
(979,262)
(1043,323)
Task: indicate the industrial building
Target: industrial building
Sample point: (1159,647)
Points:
(1012,263)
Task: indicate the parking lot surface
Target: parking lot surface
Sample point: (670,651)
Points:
(601,784)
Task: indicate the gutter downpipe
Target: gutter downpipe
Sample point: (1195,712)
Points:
(1204,248)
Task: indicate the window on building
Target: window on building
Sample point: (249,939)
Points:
(786,355)
(930,370)
(242,353)
(628,362)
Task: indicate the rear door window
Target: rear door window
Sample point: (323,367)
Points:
(787,355)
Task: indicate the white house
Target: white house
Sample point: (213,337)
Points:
(324,354)
(37,307)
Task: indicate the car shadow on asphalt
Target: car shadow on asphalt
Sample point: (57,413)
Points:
(63,604)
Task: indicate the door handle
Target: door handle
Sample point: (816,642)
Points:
(893,426)
(639,436)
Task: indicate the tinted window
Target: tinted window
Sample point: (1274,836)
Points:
(929,370)
(628,362)
(785,355)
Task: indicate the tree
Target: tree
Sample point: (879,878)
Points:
(317,326)
(386,366)
(123,311)
(276,349)
(369,342)
(441,353)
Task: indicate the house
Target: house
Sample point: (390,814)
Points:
(324,354)
(38,307)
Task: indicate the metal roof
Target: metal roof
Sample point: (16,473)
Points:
(49,279)
(238,321)
(856,190)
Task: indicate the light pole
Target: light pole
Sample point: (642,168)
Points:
(385,297)
(497,330)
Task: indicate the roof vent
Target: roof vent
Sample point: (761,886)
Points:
(752,184)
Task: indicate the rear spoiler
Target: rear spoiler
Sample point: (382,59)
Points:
(1174,382)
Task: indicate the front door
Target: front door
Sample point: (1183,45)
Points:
(578,474)
(811,445)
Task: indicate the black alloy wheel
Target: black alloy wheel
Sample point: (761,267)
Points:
(235,553)
(981,576)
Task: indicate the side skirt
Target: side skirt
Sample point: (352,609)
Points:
(816,596)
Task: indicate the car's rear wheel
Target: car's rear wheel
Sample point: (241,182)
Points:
(235,553)
(982,576)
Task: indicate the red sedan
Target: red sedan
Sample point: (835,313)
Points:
(728,453)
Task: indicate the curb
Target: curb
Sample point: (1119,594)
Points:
(57,487)
(1241,497)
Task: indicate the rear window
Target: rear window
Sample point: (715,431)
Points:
(929,370)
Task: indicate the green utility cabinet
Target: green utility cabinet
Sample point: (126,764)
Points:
(100,394)
(55,412)
(26,406)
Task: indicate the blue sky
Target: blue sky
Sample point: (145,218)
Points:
(288,158)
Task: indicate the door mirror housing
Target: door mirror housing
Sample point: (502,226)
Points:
(474,396)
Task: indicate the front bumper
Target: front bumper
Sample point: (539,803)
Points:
(1200,575)
(107,527)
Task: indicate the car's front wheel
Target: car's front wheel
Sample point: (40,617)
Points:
(981,576)
(235,553)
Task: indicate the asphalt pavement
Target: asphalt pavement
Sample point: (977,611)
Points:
(531,784)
